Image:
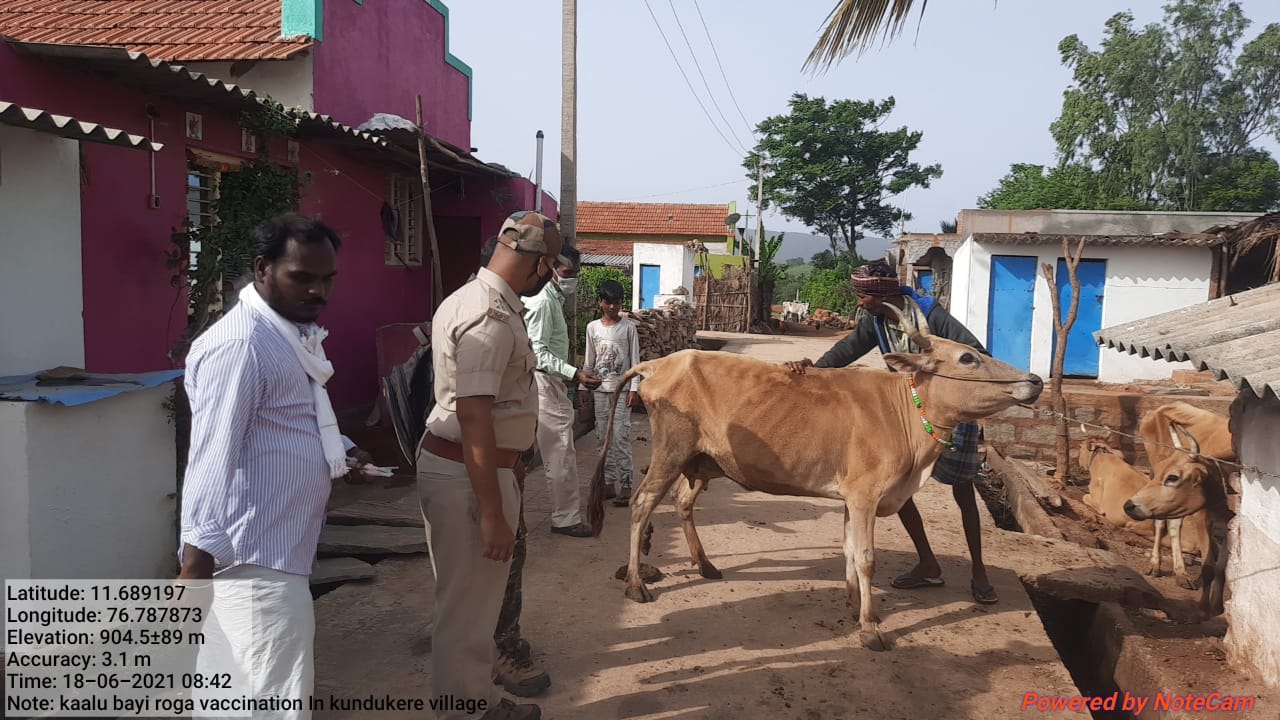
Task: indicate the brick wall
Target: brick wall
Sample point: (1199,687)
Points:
(1020,433)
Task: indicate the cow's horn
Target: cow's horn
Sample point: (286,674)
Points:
(1173,433)
(921,340)
(1195,446)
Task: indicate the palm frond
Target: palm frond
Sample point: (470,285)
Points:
(853,25)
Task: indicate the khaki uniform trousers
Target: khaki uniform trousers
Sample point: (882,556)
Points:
(469,587)
(555,442)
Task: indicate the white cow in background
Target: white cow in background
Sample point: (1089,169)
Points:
(794,311)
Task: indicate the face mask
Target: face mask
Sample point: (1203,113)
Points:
(568,286)
(542,281)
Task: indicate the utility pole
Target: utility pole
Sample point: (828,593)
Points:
(759,205)
(437,284)
(569,123)
(569,151)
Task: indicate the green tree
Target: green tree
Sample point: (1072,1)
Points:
(1066,187)
(832,167)
(1158,111)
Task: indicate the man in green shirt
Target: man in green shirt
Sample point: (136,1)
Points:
(549,333)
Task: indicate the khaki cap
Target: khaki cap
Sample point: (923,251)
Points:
(531,232)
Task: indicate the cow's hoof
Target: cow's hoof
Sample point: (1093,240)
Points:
(638,593)
(710,572)
(874,641)
(1153,571)
(648,573)
(1188,582)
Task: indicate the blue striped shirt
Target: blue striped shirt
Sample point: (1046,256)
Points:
(256,483)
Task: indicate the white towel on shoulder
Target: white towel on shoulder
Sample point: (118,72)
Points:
(310,351)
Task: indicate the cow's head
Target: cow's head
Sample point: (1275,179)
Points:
(1181,484)
(1089,449)
(974,385)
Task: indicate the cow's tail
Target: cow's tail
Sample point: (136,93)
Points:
(595,509)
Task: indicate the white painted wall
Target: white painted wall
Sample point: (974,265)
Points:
(289,82)
(88,491)
(1141,282)
(675,261)
(15,536)
(41,287)
(1253,615)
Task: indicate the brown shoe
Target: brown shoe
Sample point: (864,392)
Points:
(518,675)
(507,710)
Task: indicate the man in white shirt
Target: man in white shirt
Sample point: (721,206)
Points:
(265,450)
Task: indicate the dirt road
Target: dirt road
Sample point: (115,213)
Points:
(773,639)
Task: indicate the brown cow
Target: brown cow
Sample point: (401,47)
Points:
(1186,481)
(851,434)
(1112,481)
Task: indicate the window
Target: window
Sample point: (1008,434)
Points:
(404,241)
(204,171)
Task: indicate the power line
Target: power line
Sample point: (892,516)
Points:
(722,73)
(728,125)
(686,80)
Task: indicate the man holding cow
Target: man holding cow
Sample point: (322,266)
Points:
(877,285)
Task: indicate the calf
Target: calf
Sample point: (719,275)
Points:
(1112,481)
(865,439)
(1182,485)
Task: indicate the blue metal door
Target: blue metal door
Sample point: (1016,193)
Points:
(1082,350)
(926,281)
(649,278)
(1013,287)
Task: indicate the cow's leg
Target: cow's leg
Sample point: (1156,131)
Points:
(687,493)
(1213,578)
(1179,565)
(1157,528)
(652,488)
(860,565)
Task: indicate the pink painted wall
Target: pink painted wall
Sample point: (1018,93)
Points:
(377,56)
(133,316)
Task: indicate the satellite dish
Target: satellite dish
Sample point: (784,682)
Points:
(732,219)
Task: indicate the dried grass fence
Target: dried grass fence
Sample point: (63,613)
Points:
(730,303)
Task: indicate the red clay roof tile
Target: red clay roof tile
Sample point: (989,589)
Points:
(171,30)
(629,218)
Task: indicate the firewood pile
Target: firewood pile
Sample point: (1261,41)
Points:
(825,318)
(667,329)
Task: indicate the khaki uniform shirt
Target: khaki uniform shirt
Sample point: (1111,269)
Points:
(479,346)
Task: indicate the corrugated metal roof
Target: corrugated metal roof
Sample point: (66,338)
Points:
(1165,239)
(178,82)
(176,30)
(608,260)
(1236,337)
(69,127)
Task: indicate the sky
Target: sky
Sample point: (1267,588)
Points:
(981,79)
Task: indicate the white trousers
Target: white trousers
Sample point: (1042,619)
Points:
(469,586)
(555,443)
(264,626)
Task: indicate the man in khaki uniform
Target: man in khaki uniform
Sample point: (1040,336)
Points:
(485,416)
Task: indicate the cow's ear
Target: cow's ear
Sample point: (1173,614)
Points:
(908,362)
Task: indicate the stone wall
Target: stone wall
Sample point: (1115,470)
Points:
(1021,433)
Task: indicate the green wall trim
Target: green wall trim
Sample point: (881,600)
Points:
(449,57)
(302,17)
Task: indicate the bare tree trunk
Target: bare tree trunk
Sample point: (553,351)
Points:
(1063,329)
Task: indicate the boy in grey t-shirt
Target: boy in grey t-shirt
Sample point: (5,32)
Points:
(613,347)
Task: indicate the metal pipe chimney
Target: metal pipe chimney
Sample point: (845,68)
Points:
(537,197)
